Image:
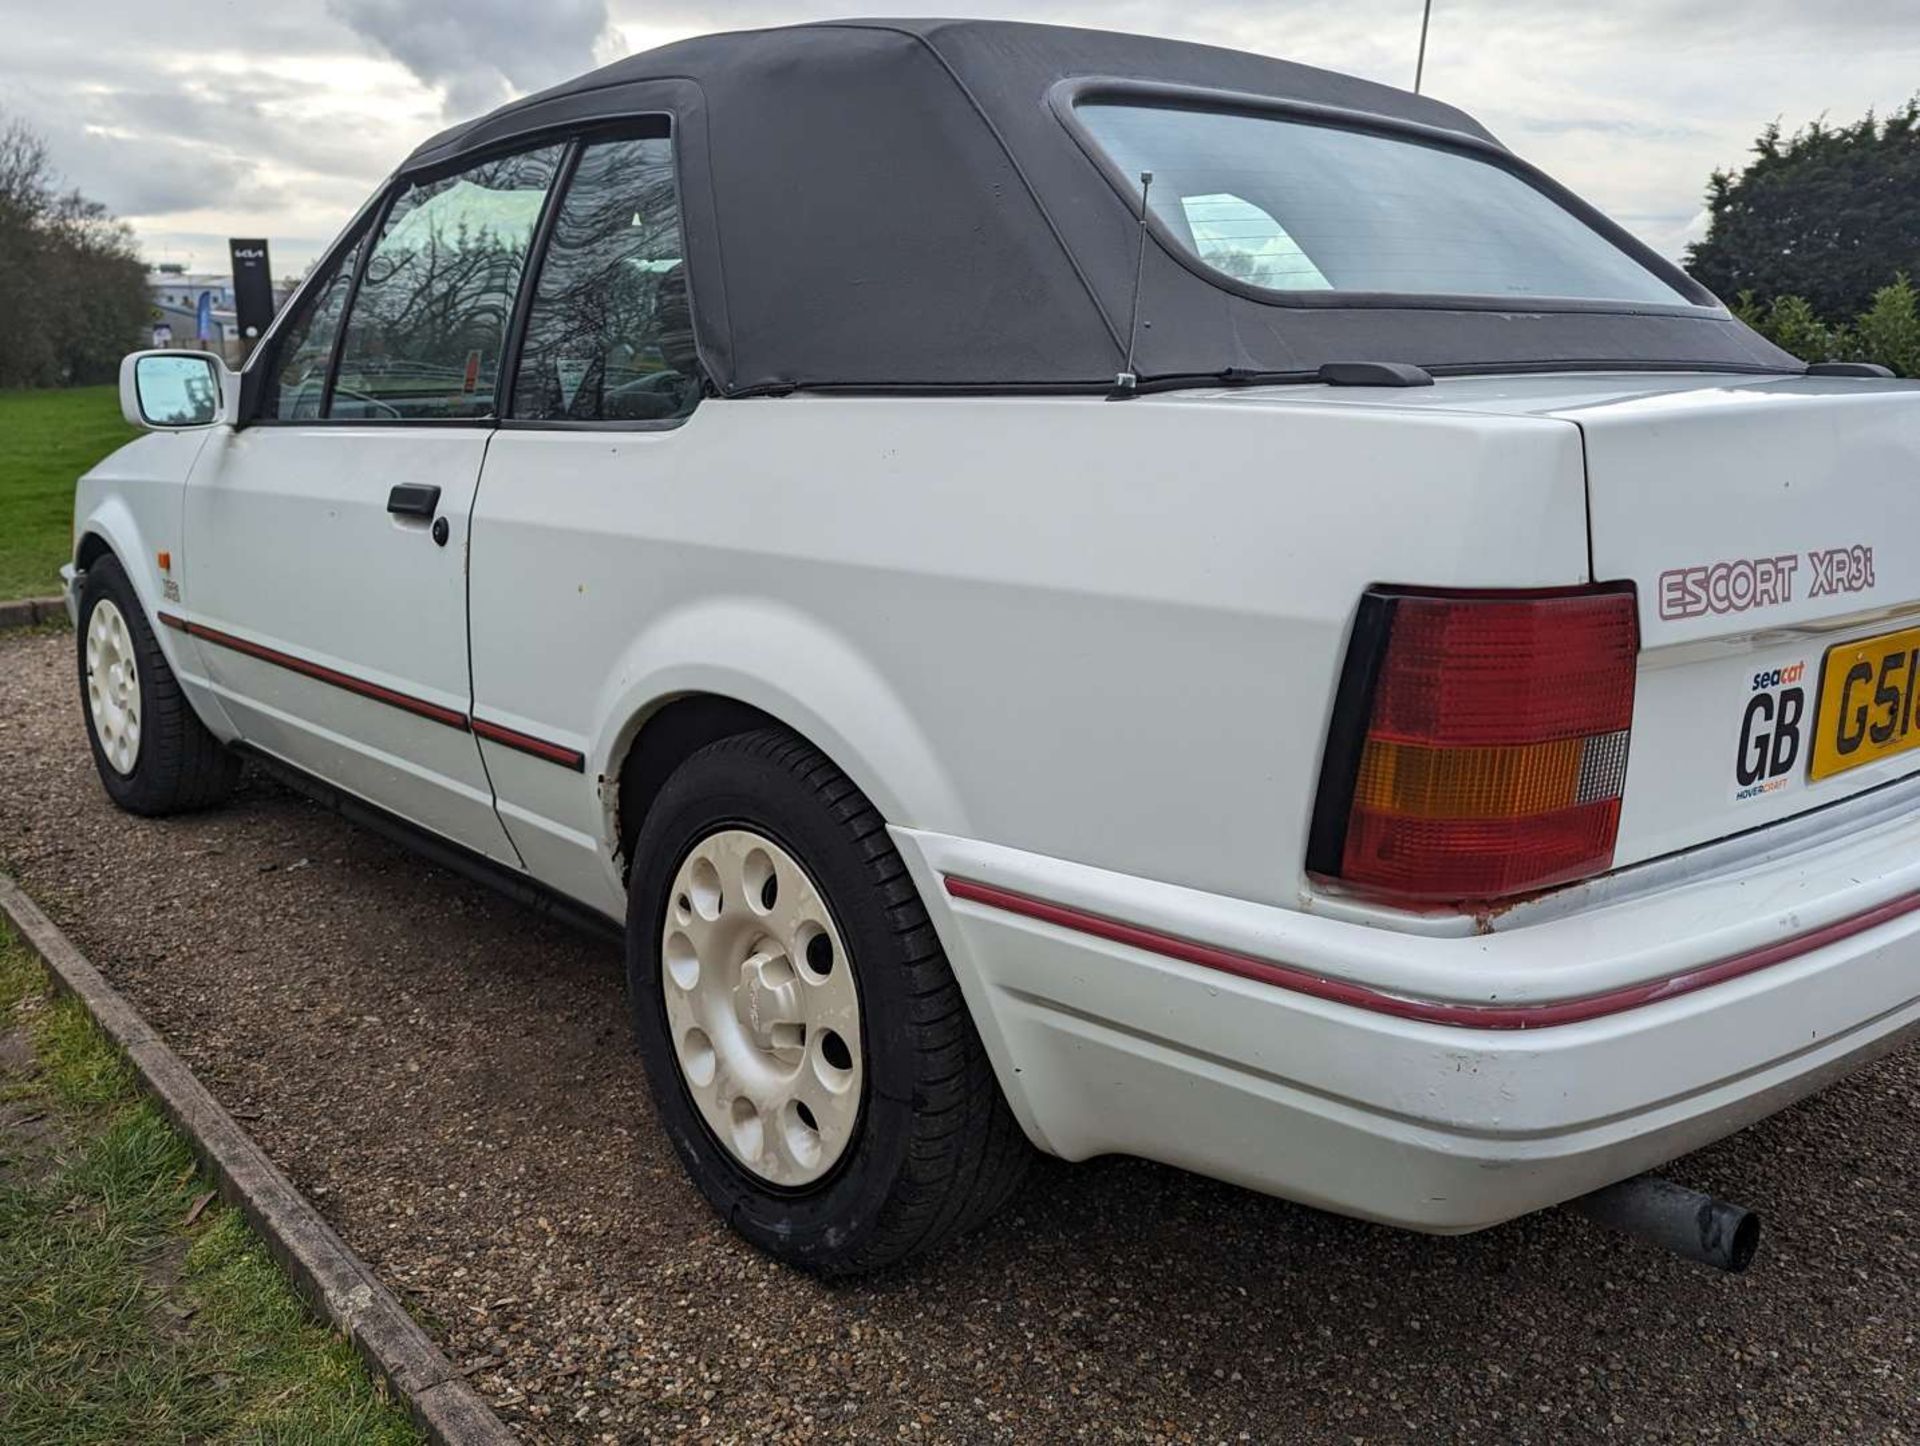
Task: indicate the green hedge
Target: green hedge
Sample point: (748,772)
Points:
(1888,332)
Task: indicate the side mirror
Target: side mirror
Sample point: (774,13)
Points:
(175,390)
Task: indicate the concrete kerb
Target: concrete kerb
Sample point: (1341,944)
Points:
(28,612)
(334,1280)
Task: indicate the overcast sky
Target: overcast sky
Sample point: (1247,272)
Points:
(203,119)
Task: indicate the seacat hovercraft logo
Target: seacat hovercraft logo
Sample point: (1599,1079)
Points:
(1772,727)
(1744,583)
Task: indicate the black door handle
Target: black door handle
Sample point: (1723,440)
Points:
(413,499)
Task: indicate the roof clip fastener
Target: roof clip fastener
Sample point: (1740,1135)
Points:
(1375,374)
(1849,369)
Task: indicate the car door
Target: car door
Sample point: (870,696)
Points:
(569,561)
(325,570)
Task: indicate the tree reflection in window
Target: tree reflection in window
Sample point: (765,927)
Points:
(298,379)
(610,333)
(430,319)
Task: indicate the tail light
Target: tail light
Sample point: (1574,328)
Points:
(1480,744)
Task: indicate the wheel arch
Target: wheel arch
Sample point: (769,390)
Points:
(113,530)
(93,546)
(658,743)
(730,666)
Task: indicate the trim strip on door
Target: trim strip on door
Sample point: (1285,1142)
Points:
(526,743)
(406,702)
(461,722)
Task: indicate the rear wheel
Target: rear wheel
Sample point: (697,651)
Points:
(809,1051)
(153,753)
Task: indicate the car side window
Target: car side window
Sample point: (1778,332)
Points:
(298,382)
(609,336)
(429,322)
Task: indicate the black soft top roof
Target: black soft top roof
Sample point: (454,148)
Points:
(886,203)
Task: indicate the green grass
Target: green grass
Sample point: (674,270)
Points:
(119,1322)
(47,439)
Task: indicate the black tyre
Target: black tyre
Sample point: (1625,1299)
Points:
(154,755)
(809,1052)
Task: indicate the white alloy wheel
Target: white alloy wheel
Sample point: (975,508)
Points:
(113,686)
(762,1007)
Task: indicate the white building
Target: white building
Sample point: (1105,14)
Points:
(175,293)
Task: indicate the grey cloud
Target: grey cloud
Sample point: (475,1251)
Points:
(235,118)
(128,31)
(240,115)
(478,53)
(160,174)
(167,179)
(1640,130)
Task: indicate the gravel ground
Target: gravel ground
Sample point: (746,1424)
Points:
(453,1083)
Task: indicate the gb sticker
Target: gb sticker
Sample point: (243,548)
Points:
(1772,728)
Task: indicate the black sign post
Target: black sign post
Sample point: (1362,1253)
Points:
(252,289)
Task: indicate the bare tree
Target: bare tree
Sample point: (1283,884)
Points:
(26,174)
(72,288)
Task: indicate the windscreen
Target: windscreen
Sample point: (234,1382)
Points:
(1292,206)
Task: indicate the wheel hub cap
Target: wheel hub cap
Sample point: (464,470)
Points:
(762,1006)
(768,1002)
(113,686)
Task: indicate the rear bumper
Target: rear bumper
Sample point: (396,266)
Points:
(1440,1084)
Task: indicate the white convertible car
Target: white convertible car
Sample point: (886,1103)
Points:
(1071,591)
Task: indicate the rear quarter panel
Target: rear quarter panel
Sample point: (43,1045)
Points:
(1104,632)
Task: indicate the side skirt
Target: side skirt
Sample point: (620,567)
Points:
(455,858)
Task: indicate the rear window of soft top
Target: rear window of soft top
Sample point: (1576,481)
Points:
(1294,206)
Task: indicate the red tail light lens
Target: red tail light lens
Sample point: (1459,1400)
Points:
(1494,746)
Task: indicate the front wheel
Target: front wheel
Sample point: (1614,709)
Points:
(153,753)
(808,1049)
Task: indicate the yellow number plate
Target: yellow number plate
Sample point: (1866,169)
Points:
(1869,702)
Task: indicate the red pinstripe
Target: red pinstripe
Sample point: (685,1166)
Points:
(1540,1015)
(420,707)
(539,747)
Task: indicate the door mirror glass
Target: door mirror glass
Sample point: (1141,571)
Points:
(181,390)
